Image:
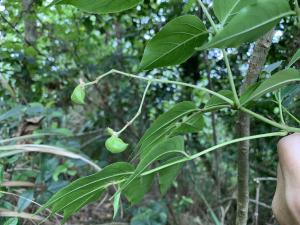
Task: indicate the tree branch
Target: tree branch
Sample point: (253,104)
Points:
(256,64)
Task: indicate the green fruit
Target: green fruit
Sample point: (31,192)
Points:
(78,94)
(115,144)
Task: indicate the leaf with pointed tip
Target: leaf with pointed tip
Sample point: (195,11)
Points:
(250,23)
(164,149)
(116,204)
(272,67)
(294,59)
(226,9)
(275,82)
(87,189)
(100,6)
(175,43)
(164,125)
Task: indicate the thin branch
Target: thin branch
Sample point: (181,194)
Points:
(138,112)
(165,81)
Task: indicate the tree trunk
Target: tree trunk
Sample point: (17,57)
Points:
(29,22)
(256,64)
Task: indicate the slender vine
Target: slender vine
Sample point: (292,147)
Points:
(229,101)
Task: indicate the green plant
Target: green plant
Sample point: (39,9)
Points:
(161,150)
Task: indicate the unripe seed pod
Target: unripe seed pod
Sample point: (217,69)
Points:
(115,144)
(78,94)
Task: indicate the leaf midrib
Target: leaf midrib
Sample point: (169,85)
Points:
(229,13)
(85,185)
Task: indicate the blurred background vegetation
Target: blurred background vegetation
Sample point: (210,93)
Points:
(45,51)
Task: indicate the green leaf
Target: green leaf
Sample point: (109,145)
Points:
(25,201)
(275,82)
(78,94)
(101,6)
(188,6)
(250,23)
(191,124)
(11,221)
(272,67)
(247,94)
(214,101)
(294,59)
(163,150)
(87,189)
(164,125)
(169,174)
(138,188)
(59,170)
(175,43)
(1,173)
(226,9)
(116,204)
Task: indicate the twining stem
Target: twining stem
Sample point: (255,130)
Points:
(197,155)
(260,117)
(154,80)
(138,112)
(230,75)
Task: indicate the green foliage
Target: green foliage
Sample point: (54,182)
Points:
(164,150)
(87,189)
(12,221)
(101,6)
(91,44)
(25,200)
(226,9)
(163,125)
(169,174)
(275,82)
(116,204)
(191,124)
(154,213)
(175,43)
(217,102)
(250,23)
(294,59)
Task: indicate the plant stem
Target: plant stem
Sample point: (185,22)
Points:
(138,112)
(230,75)
(291,115)
(208,16)
(260,117)
(197,155)
(280,107)
(154,80)
(271,122)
